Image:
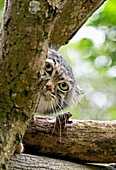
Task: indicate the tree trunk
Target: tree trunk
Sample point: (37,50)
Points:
(82,140)
(28,28)
(24,46)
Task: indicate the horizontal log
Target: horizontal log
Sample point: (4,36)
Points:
(26,162)
(81,140)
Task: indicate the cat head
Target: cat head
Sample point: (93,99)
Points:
(60,89)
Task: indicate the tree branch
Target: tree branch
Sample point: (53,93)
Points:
(32,162)
(82,140)
(70,16)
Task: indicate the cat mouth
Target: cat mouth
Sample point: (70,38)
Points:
(47,96)
(48,103)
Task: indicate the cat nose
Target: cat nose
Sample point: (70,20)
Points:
(49,86)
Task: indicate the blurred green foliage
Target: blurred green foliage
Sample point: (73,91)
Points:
(92,54)
(1,9)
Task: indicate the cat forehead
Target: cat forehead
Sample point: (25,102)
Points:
(60,62)
(50,61)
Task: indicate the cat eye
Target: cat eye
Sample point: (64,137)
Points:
(48,68)
(63,86)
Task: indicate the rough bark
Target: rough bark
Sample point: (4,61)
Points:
(24,45)
(28,28)
(70,16)
(85,141)
(32,162)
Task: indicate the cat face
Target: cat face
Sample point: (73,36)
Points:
(60,89)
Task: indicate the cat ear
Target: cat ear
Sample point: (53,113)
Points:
(79,91)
